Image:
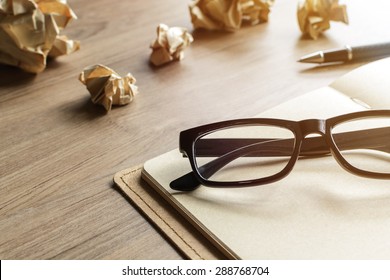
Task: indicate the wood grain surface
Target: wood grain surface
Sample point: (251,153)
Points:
(59,152)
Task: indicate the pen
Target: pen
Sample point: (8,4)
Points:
(348,53)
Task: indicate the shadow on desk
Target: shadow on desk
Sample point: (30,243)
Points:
(313,68)
(208,35)
(84,109)
(12,76)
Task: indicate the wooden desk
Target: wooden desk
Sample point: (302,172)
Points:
(59,152)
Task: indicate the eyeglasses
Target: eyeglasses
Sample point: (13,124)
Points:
(250,152)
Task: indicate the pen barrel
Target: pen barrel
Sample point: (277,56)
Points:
(336,55)
(363,52)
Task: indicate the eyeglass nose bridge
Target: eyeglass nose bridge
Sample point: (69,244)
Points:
(312,146)
(312,126)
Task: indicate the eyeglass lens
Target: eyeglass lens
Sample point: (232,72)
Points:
(365,143)
(243,152)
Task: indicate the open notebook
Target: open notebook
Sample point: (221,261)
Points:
(319,211)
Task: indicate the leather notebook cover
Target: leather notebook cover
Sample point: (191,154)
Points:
(178,230)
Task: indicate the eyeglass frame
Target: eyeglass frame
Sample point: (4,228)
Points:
(188,138)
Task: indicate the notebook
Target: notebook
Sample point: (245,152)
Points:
(319,211)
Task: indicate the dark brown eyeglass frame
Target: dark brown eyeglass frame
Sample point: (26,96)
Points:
(320,145)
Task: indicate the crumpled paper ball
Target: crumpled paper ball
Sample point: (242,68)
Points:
(169,44)
(314,16)
(106,87)
(228,14)
(29,32)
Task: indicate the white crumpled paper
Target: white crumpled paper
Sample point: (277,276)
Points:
(30,32)
(228,14)
(314,16)
(169,44)
(106,87)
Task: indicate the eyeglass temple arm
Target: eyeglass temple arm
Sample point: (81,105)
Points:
(313,146)
(231,149)
(374,139)
(252,147)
